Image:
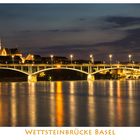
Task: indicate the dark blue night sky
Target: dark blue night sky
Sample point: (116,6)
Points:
(80,29)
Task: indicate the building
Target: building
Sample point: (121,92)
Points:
(3,51)
(9,55)
(31,58)
(9,52)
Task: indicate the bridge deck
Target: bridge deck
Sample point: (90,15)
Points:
(95,65)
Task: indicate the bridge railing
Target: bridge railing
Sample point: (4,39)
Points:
(70,65)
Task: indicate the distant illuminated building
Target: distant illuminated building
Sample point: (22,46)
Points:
(3,51)
(9,55)
(29,57)
(8,52)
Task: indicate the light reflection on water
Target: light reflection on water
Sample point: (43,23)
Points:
(91,104)
(72,107)
(32,104)
(70,103)
(13,105)
(59,104)
(52,104)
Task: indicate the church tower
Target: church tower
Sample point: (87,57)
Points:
(3,51)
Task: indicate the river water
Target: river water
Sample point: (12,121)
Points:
(70,103)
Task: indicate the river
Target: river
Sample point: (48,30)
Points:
(70,103)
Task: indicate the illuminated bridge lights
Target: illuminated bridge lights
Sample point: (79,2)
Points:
(32,70)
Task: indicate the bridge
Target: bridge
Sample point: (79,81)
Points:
(32,70)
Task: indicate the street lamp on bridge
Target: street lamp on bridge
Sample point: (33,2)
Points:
(51,58)
(91,58)
(32,59)
(130,58)
(13,59)
(110,58)
(71,58)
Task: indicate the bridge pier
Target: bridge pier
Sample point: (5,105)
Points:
(90,77)
(32,78)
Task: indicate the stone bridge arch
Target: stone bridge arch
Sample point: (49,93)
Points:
(34,75)
(116,68)
(48,69)
(13,69)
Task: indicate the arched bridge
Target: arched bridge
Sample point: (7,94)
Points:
(31,70)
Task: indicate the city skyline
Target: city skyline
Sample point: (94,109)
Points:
(79,29)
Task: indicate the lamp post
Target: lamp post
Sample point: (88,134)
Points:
(130,58)
(133,62)
(91,58)
(32,58)
(51,58)
(71,58)
(110,58)
(13,59)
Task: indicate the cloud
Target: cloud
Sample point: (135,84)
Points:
(79,29)
(121,48)
(69,36)
(121,22)
(65,30)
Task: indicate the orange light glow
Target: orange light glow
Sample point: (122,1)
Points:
(59,104)
(58,66)
(32,104)
(13,105)
(118,89)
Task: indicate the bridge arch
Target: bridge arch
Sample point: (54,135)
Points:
(13,69)
(62,68)
(121,68)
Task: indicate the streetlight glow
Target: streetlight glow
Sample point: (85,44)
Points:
(91,55)
(71,57)
(91,58)
(51,58)
(32,58)
(110,58)
(13,59)
(130,58)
